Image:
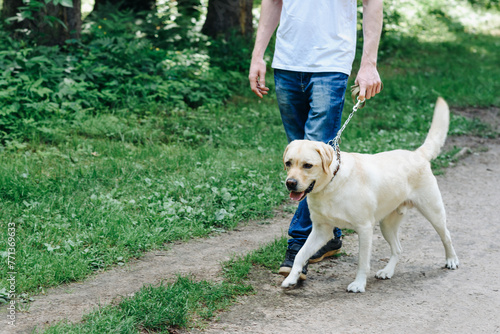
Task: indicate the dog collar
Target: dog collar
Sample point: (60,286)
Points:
(337,149)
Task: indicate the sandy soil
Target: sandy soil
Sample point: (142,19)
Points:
(200,257)
(422,297)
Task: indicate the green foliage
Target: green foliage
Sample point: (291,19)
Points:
(179,304)
(231,53)
(33,16)
(158,308)
(115,145)
(486,3)
(97,198)
(110,69)
(173,26)
(270,256)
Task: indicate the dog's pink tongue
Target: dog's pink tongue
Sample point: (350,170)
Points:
(296,196)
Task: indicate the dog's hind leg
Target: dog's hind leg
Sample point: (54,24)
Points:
(320,235)
(389,227)
(430,204)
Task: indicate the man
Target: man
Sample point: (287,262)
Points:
(315,48)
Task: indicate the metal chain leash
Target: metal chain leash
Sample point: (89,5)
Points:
(335,141)
(358,104)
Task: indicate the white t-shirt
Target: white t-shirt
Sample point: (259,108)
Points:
(316,36)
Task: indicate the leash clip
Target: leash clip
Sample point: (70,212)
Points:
(360,103)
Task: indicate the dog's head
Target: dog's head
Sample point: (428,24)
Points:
(308,167)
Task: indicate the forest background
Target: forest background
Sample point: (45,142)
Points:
(127,125)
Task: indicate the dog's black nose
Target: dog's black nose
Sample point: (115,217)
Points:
(291,184)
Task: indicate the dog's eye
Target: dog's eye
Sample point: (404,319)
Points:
(307,166)
(288,164)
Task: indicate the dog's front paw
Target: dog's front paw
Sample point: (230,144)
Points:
(452,263)
(356,287)
(289,283)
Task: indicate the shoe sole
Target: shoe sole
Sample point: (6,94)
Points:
(327,254)
(285,271)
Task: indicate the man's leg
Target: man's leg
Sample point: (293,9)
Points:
(311,108)
(293,102)
(325,94)
(294,105)
(327,91)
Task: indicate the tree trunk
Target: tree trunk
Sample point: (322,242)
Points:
(55,33)
(10,8)
(134,5)
(223,16)
(43,28)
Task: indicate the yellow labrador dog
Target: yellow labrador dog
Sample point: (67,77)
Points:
(356,191)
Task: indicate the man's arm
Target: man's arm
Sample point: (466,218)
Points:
(270,12)
(368,78)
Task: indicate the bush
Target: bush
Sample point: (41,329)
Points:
(114,67)
(488,4)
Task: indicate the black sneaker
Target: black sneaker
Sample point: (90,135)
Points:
(331,248)
(287,265)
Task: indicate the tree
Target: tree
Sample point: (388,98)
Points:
(224,16)
(10,8)
(49,23)
(134,5)
(60,22)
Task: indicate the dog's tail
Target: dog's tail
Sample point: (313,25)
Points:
(437,134)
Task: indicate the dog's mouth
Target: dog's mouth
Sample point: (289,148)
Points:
(296,196)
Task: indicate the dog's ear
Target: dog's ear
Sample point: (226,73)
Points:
(326,152)
(284,155)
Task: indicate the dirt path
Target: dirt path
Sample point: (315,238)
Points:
(200,257)
(421,297)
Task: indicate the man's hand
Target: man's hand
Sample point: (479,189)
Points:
(257,77)
(368,78)
(270,12)
(369,82)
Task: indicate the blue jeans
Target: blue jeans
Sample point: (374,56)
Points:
(311,108)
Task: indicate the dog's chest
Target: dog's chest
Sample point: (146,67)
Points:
(325,212)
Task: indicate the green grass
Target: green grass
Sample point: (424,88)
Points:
(88,203)
(158,308)
(96,189)
(414,76)
(270,257)
(180,304)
